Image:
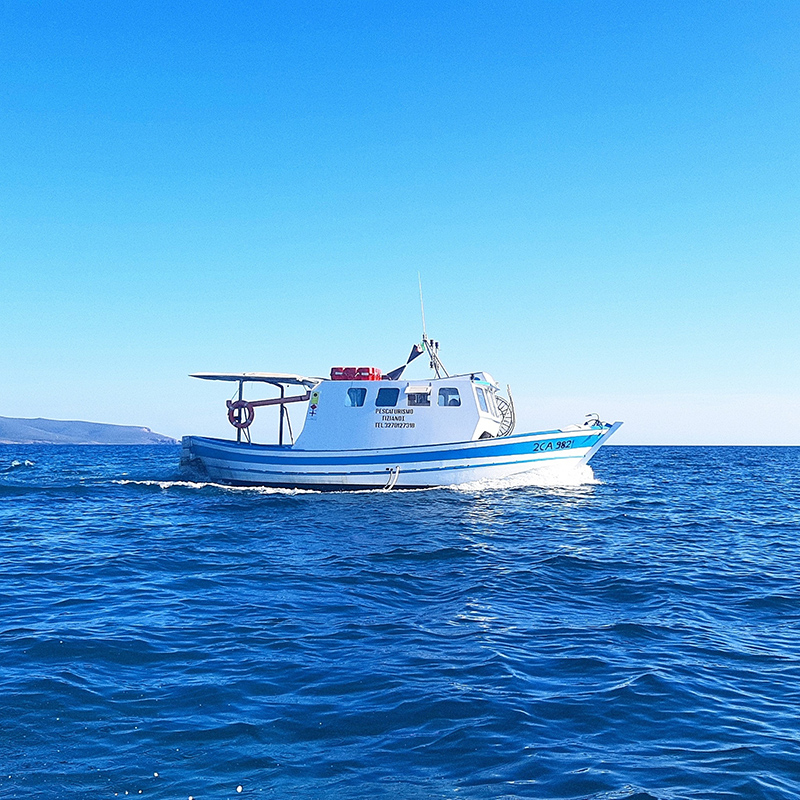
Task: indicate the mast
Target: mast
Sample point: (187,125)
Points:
(422,307)
(429,344)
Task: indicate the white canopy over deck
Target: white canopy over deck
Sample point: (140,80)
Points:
(275,378)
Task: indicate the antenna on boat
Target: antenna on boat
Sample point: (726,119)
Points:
(429,344)
(422,307)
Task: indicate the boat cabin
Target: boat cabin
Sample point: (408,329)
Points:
(357,409)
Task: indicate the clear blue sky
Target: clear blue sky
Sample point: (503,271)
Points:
(603,200)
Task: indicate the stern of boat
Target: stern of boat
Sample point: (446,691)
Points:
(189,459)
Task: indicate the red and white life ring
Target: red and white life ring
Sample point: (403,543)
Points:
(240,420)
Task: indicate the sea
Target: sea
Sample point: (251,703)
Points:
(634,634)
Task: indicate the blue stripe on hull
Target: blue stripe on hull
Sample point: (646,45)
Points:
(274,455)
(382,474)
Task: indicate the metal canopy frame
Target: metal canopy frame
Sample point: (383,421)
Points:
(277,379)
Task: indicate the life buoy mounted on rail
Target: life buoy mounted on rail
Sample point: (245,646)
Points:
(240,419)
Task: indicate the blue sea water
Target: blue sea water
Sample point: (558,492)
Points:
(635,637)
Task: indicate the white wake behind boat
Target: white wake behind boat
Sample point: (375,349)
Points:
(367,430)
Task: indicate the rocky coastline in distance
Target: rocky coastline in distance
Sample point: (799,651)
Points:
(55,431)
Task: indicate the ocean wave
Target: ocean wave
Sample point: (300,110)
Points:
(18,464)
(166,485)
(265,490)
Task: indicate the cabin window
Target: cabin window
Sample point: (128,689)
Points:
(492,404)
(449,397)
(482,399)
(419,399)
(355,397)
(387,397)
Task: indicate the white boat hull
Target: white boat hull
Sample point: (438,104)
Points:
(242,463)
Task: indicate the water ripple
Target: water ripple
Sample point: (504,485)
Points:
(636,636)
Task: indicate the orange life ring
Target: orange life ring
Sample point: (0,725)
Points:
(237,420)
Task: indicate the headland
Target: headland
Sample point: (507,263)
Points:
(54,431)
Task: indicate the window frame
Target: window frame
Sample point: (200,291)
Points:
(490,399)
(387,389)
(448,397)
(348,397)
(425,396)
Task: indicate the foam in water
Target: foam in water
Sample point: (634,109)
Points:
(165,485)
(555,477)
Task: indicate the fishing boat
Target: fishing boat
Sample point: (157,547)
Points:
(368,430)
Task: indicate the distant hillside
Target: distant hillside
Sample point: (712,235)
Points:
(55,431)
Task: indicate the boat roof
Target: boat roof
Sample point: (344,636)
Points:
(275,378)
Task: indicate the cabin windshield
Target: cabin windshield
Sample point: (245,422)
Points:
(482,399)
